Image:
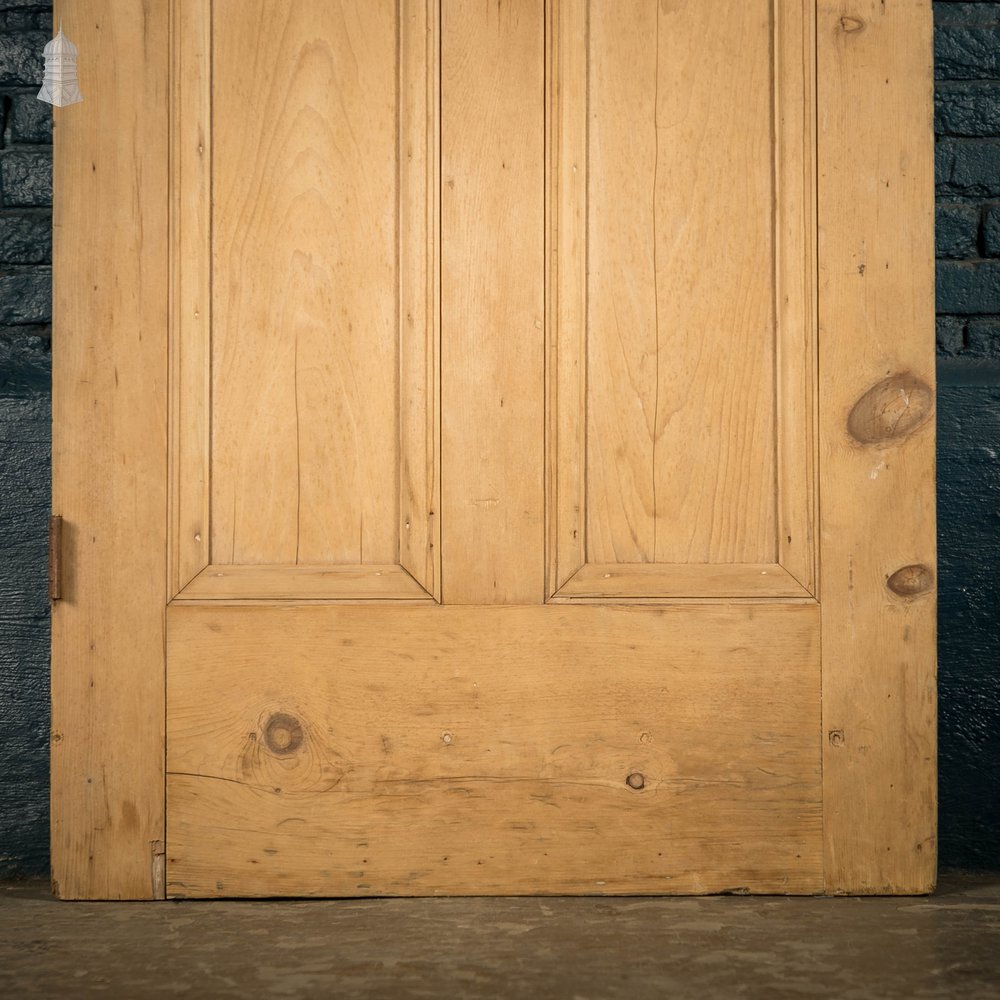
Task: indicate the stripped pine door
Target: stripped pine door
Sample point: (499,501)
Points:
(494,444)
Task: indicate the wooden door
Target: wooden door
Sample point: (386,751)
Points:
(495,448)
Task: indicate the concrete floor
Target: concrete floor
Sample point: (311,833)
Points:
(947,945)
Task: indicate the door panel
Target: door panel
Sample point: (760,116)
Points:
(305,331)
(680,324)
(683,324)
(472,750)
(305,342)
(442,418)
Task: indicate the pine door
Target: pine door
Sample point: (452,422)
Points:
(494,442)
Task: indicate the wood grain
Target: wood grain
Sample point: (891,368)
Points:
(492,302)
(876,309)
(680,320)
(305,357)
(109,404)
(414,751)
(585,168)
(344,748)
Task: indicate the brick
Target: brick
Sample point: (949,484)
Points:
(966,37)
(950,336)
(966,53)
(21,61)
(969,337)
(31,119)
(25,296)
(983,337)
(25,359)
(26,178)
(967,108)
(965,288)
(26,239)
(26,20)
(960,11)
(967,168)
(956,230)
(991,231)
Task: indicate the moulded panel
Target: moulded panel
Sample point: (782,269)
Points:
(682,316)
(304,287)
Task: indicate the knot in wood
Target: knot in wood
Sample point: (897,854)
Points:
(909,581)
(851,23)
(636,781)
(282,734)
(890,409)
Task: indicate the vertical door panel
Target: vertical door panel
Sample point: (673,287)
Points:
(682,330)
(304,307)
(305,338)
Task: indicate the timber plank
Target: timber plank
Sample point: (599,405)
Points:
(419,750)
(492,302)
(876,309)
(109,403)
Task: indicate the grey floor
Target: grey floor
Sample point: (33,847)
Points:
(947,945)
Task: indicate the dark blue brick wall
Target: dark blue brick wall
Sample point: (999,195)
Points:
(25,294)
(967,62)
(967,122)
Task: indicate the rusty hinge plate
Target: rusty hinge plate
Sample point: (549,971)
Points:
(55,557)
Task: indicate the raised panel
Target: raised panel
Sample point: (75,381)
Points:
(682,295)
(304,329)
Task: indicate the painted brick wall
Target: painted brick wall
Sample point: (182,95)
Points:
(967,122)
(25,293)
(967,43)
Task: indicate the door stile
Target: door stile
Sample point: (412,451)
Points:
(876,309)
(109,470)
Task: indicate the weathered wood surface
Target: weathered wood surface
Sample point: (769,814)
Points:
(458,750)
(493,302)
(109,412)
(876,299)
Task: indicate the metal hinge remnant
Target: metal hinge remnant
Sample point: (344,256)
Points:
(55,557)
